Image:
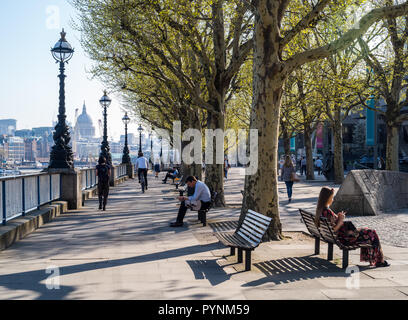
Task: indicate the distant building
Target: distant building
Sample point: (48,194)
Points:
(16,149)
(131,139)
(24,133)
(8,126)
(41,131)
(30,149)
(84,128)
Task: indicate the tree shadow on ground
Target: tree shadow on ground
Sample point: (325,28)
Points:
(292,269)
(35,280)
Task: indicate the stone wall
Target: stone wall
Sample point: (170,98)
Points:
(369,192)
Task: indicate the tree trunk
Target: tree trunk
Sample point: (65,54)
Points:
(269,75)
(392,162)
(214,173)
(338,149)
(309,154)
(286,140)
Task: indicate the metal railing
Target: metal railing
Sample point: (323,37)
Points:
(22,194)
(120,171)
(88,178)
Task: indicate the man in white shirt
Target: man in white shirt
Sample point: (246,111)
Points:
(201,194)
(142,165)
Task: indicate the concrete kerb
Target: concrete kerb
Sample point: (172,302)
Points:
(17,229)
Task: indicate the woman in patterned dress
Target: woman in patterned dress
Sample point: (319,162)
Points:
(347,234)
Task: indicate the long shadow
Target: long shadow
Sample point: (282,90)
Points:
(31,280)
(210,270)
(294,269)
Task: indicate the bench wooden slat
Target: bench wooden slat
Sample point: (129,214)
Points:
(251,232)
(239,232)
(230,239)
(254,225)
(260,220)
(262,216)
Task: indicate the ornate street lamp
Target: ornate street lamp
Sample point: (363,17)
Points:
(105,102)
(126,157)
(61,156)
(140,129)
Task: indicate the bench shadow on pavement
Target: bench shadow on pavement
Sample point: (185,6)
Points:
(292,269)
(210,270)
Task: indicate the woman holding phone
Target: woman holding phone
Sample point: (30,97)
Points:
(347,234)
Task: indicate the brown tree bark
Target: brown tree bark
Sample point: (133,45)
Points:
(337,127)
(309,153)
(392,149)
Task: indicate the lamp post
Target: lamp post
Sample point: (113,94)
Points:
(61,156)
(140,129)
(105,102)
(126,157)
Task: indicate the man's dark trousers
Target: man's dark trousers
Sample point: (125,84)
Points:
(139,171)
(103,192)
(183,209)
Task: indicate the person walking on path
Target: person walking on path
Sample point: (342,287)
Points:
(303,166)
(200,198)
(227,166)
(156,169)
(287,173)
(103,172)
(347,234)
(141,165)
(319,165)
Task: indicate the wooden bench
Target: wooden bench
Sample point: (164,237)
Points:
(247,236)
(326,233)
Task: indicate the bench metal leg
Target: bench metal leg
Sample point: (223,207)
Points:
(317,245)
(239,255)
(232,251)
(330,252)
(345,258)
(247,260)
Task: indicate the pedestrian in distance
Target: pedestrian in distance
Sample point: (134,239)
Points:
(303,166)
(171,174)
(103,172)
(347,233)
(142,164)
(319,165)
(156,169)
(227,166)
(288,174)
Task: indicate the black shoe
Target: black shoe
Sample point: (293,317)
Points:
(382,264)
(104,209)
(146,187)
(290,199)
(100,207)
(176,224)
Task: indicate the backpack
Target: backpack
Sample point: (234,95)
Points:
(103,173)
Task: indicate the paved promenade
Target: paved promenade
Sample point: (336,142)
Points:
(130,252)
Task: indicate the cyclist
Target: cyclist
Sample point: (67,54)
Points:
(141,165)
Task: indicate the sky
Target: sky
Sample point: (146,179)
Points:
(29,86)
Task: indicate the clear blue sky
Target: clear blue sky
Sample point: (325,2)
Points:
(28,80)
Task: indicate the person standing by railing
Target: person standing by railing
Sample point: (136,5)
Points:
(103,172)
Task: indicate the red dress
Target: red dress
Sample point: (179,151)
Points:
(346,237)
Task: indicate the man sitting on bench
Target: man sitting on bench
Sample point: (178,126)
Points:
(171,174)
(200,200)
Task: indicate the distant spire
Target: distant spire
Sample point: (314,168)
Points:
(84,108)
